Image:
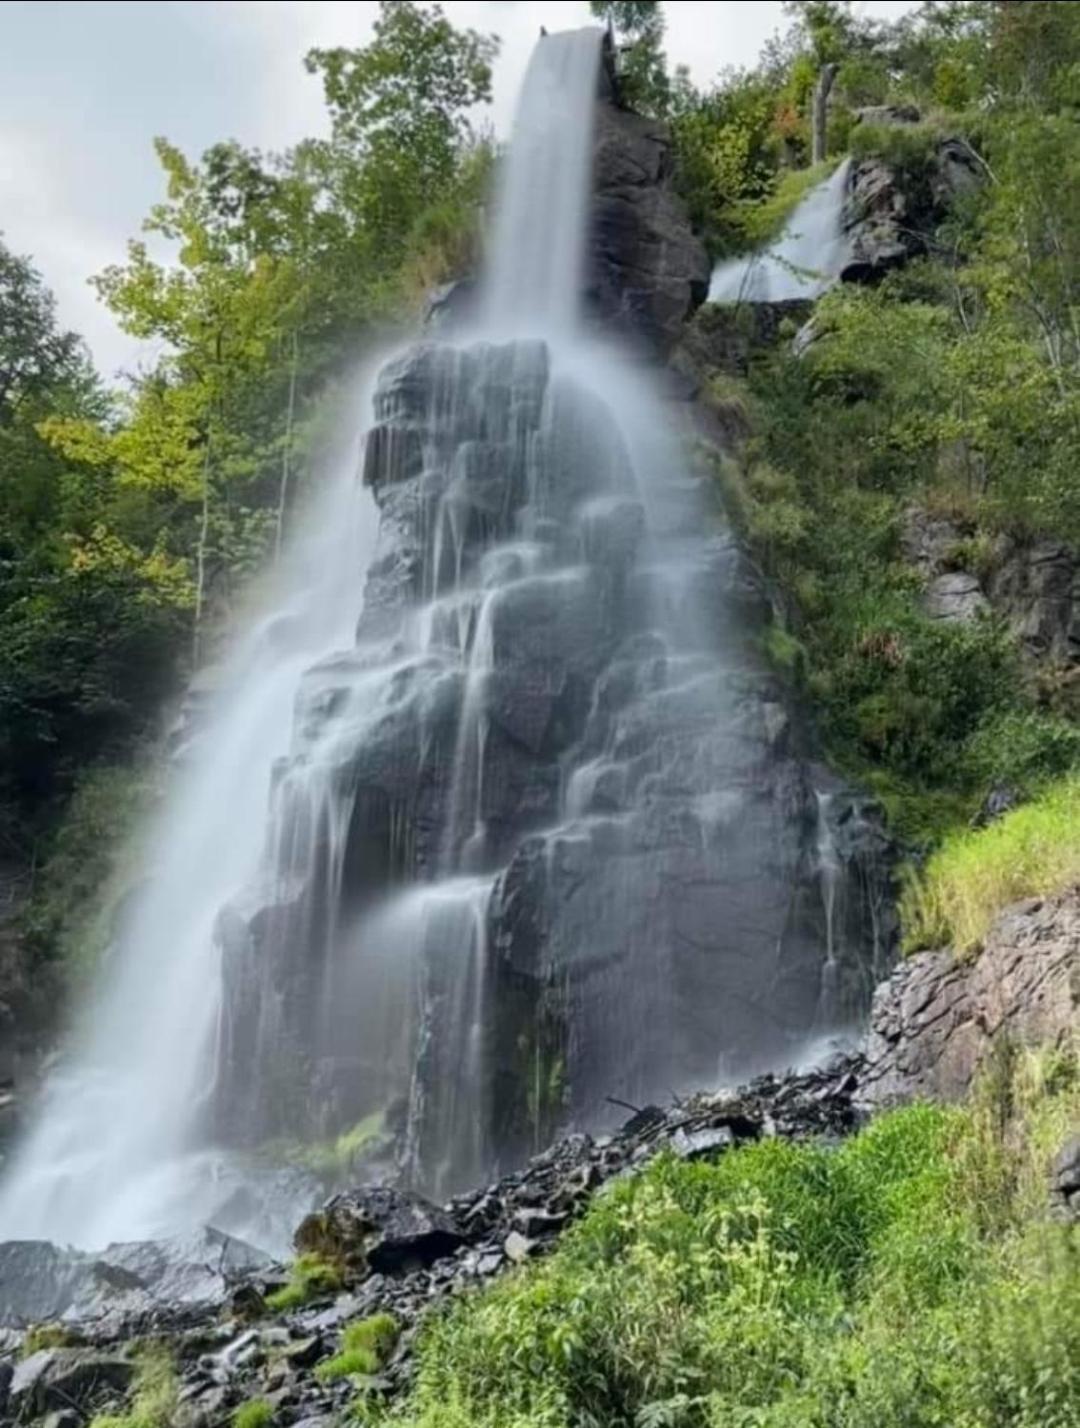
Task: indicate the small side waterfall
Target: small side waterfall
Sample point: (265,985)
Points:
(502,814)
(806,259)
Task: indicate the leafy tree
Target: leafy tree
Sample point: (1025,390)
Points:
(399,108)
(638,27)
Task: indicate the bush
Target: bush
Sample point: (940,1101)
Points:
(154,1395)
(1032,851)
(309,1277)
(255,1414)
(365,1348)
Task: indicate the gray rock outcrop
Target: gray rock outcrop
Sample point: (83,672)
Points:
(936,1020)
(889,215)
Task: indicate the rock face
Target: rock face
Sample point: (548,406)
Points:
(1034,587)
(648,270)
(40,1282)
(888,215)
(935,1020)
(555,790)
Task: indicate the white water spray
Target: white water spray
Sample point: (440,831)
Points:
(807,258)
(115,1151)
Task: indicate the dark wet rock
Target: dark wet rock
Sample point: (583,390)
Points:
(1036,587)
(648,270)
(726,337)
(389,1231)
(1033,586)
(306,1352)
(632,752)
(1065,1178)
(1001,799)
(935,1020)
(66,1378)
(451,305)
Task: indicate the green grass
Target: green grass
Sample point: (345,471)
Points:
(257,1413)
(365,1348)
(49,1336)
(903,1280)
(309,1277)
(1033,851)
(330,1158)
(153,1398)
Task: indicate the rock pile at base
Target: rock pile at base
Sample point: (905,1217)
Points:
(405,1256)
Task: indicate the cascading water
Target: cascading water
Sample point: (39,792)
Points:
(806,259)
(513,825)
(114,1153)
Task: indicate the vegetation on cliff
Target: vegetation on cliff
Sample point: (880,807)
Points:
(927,435)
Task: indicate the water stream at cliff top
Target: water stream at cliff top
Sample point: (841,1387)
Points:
(500,814)
(807,258)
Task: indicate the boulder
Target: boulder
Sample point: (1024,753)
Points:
(40,1282)
(67,1378)
(1065,1176)
(935,1020)
(380,1230)
(888,216)
(955,597)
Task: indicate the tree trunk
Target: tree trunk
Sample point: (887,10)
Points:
(286,452)
(821,112)
(200,559)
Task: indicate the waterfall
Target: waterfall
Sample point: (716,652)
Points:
(499,815)
(114,1153)
(807,258)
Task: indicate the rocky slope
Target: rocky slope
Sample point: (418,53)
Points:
(205,1299)
(937,1020)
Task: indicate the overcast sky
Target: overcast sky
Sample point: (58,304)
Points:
(84,87)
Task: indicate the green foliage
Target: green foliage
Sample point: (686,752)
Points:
(309,1278)
(1031,851)
(336,1157)
(365,1347)
(49,1336)
(638,26)
(256,1413)
(894,1281)
(154,1393)
(90,865)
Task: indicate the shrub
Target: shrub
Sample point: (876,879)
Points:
(49,1336)
(309,1277)
(255,1414)
(154,1394)
(365,1348)
(1032,851)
